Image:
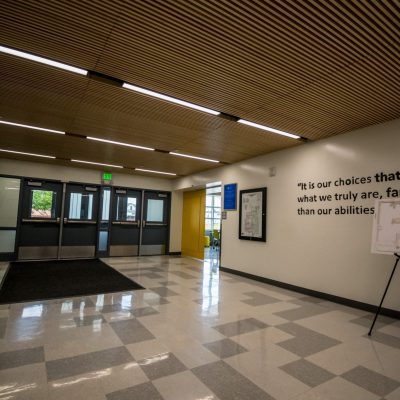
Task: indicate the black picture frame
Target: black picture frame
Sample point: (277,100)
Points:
(253,206)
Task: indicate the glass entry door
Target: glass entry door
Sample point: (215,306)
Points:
(155,223)
(40,220)
(79,228)
(126,222)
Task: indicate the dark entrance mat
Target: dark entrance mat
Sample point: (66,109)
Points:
(43,280)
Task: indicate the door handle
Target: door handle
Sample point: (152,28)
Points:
(144,223)
(65,220)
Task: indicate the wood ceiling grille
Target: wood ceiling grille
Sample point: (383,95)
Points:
(315,68)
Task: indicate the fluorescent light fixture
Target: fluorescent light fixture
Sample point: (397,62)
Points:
(26,154)
(96,163)
(267,128)
(154,172)
(196,158)
(120,143)
(42,60)
(168,98)
(31,127)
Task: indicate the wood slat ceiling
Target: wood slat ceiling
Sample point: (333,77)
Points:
(315,68)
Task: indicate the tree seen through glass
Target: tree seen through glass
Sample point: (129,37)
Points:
(42,204)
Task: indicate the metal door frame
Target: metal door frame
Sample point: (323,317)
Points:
(168,217)
(64,184)
(64,220)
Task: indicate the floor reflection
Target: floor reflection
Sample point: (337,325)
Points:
(210,283)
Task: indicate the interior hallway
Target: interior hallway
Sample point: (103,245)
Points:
(195,333)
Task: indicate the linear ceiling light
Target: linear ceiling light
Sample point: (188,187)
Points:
(32,127)
(120,143)
(196,158)
(267,128)
(96,163)
(26,154)
(43,60)
(168,98)
(154,172)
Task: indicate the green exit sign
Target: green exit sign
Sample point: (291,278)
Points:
(107,176)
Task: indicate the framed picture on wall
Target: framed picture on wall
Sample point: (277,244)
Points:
(253,214)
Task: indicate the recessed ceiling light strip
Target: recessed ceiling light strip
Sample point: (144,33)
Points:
(26,154)
(31,127)
(120,143)
(154,172)
(43,60)
(196,158)
(168,98)
(97,163)
(267,128)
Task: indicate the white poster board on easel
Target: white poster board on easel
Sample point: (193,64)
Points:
(386,227)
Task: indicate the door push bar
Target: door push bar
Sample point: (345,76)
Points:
(136,223)
(78,221)
(34,221)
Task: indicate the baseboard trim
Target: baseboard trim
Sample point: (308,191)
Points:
(175,253)
(310,292)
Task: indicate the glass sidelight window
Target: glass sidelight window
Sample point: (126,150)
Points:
(9,198)
(126,208)
(81,206)
(43,204)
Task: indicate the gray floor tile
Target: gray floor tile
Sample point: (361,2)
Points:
(65,367)
(150,275)
(144,311)
(161,365)
(384,338)
(240,327)
(370,380)
(308,299)
(259,299)
(156,301)
(366,321)
(144,391)
(85,320)
(109,308)
(77,303)
(18,358)
(228,384)
(164,291)
(225,348)
(182,274)
(3,326)
(168,283)
(305,311)
(131,331)
(306,341)
(307,372)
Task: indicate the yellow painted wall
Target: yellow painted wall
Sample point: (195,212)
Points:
(193,221)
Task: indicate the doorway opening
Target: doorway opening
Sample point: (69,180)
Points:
(212,234)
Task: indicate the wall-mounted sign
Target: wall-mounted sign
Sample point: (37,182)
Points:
(252,214)
(106,178)
(386,227)
(230,196)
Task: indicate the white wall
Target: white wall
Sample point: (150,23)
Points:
(327,253)
(65,174)
(73,174)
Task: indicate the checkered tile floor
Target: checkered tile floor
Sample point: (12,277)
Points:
(195,333)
